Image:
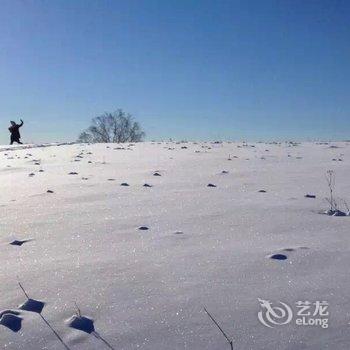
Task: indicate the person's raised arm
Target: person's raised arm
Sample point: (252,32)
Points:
(21,123)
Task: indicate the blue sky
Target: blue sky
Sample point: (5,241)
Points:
(185,69)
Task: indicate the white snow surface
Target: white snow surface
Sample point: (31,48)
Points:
(147,289)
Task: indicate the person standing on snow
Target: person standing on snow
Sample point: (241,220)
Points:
(14,130)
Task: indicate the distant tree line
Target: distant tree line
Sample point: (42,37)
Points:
(115,127)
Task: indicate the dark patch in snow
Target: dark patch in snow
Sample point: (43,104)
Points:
(278,257)
(32,305)
(335,213)
(81,323)
(19,243)
(11,321)
(13,312)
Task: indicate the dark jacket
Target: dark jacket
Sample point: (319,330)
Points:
(14,130)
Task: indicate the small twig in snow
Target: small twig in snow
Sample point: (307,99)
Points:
(221,330)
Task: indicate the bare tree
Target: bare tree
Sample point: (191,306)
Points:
(85,137)
(333,202)
(330,178)
(113,127)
